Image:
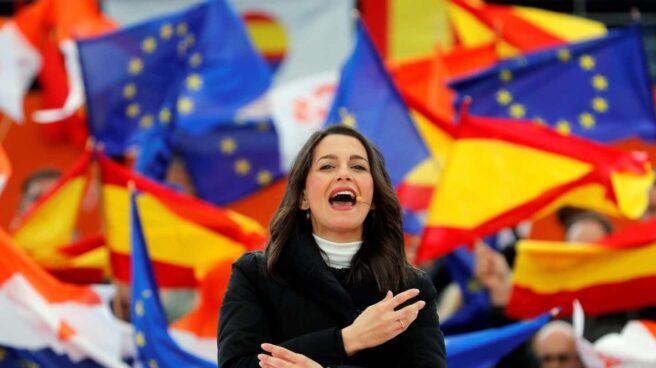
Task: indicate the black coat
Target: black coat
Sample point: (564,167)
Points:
(307,312)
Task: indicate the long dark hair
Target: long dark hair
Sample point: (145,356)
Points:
(382,254)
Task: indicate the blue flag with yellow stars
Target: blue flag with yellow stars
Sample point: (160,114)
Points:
(598,89)
(367,100)
(485,348)
(155,347)
(192,70)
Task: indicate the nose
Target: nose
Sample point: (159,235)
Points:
(344,174)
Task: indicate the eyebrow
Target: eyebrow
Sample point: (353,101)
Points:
(333,157)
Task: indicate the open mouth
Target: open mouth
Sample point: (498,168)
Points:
(342,198)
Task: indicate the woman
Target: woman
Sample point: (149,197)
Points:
(333,286)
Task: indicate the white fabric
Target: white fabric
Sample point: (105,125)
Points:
(202,347)
(30,322)
(19,63)
(337,255)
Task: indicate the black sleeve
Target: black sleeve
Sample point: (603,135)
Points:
(244,325)
(423,341)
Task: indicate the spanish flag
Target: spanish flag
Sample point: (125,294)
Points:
(501,172)
(47,230)
(185,236)
(520,29)
(616,274)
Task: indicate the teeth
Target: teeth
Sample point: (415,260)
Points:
(345,192)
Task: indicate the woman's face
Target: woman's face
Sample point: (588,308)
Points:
(339,176)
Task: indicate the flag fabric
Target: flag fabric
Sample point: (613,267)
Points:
(47,231)
(192,70)
(366,99)
(634,346)
(607,277)
(186,236)
(50,320)
(19,64)
(155,346)
(5,169)
(485,348)
(528,171)
(598,89)
(518,29)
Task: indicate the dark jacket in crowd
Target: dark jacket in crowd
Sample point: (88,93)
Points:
(306,312)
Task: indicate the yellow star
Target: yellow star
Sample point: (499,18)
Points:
(228,146)
(149,45)
(133,110)
(242,166)
(195,59)
(599,104)
(264,177)
(587,62)
(263,126)
(562,126)
(3,354)
(599,82)
(140,339)
(587,120)
(473,285)
(505,75)
(517,111)
(139,308)
(190,40)
(181,29)
(129,90)
(564,55)
(146,293)
(194,82)
(152,364)
(504,97)
(28,364)
(165,115)
(182,47)
(185,105)
(347,119)
(166,31)
(146,121)
(135,66)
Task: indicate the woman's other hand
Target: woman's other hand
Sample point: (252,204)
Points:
(380,323)
(281,357)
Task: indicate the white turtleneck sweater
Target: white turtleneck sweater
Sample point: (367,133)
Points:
(337,255)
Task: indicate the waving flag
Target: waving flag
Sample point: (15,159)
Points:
(485,348)
(598,89)
(528,170)
(191,70)
(607,277)
(155,346)
(519,29)
(367,100)
(50,320)
(5,169)
(47,231)
(186,236)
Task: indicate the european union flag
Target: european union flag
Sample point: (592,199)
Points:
(231,161)
(367,100)
(598,89)
(484,348)
(155,346)
(191,70)
(21,358)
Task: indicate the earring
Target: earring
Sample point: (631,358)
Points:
(307,214)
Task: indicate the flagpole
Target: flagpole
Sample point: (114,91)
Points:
(5,123)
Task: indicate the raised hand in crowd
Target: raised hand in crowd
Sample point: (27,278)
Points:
(493,272)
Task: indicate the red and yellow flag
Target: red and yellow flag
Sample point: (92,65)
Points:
(5,169)
(614,275)
(186,237)
(47,231)
(519,29)
(501,172)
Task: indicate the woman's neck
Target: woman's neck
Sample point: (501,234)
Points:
(337,255)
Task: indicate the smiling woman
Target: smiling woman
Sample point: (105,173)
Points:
(333,286)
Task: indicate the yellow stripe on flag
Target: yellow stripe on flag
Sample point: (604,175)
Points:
(550,267)
(473,32)
(511,174)
(564,26)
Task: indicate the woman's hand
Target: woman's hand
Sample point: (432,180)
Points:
(380,323)
(281,357)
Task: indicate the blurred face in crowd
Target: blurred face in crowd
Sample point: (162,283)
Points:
(339,175)
(585,231)
(555,347)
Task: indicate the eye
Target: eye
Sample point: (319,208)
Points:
(359,167)
(325,167)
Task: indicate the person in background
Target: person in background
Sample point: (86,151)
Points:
(333,287)
(555,346)
(34,187)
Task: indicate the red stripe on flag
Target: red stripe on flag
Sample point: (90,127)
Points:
(414,197)
(167,275)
